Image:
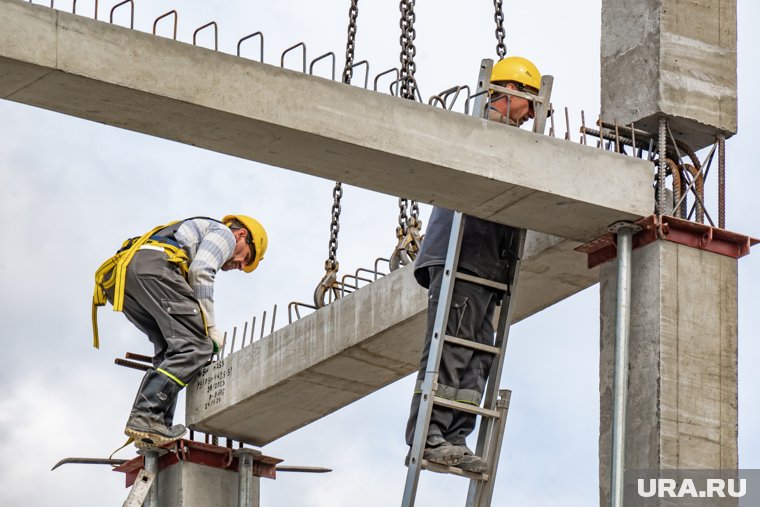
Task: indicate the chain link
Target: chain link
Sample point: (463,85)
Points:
(501,47)
(332,247)
(408,85)
(348,69)
(402,215)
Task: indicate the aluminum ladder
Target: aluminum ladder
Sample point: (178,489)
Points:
(493,413)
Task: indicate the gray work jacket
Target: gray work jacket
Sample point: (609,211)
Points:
(486,247)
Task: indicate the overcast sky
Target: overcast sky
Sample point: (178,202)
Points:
(71,191)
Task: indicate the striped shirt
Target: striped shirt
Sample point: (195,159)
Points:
(208,245)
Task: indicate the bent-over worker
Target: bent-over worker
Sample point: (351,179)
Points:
(163,281)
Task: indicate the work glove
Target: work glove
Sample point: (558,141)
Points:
(217,337)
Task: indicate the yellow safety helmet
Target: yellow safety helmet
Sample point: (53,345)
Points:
(517,69)
(257,238)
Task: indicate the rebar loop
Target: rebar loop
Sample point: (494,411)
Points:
(162,16)
(385,72)
(326,55)
(261,44)
(366,71)
(131,15)
(443,97)
(291,48)
(216,34)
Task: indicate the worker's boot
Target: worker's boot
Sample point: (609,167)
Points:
(155,399)
(437,450)
(471,462)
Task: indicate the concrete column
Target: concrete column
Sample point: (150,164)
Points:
(671,57)
(186,484)
(682,394)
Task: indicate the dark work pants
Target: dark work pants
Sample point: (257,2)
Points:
(463,371)
(158,300)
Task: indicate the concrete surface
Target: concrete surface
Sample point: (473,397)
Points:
(351,348)
(672,57)
(161,87)
(186,484)
(682,394)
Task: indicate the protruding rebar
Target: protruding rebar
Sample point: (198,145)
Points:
(291,48)
(216,34)
(132,12)
(326,55)
(263,323)
(234,335)
(722,181)
(274,318)
(245,332)
(261,45)
(162,16)
(661,147)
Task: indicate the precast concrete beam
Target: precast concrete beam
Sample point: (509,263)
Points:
(161,87)
(352,348)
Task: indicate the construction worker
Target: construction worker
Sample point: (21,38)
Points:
(164,284)
(486,251)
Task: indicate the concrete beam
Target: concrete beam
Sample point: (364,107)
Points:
(352,348)
(161,87)
(671,57)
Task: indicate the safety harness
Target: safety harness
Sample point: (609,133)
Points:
(113,272)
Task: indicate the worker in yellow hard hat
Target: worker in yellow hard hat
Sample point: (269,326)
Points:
(514,73)
(163,281)
(487,251)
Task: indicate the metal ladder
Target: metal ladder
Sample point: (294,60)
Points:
(493,413)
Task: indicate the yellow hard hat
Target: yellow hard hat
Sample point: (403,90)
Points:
(517,69)
(257,238)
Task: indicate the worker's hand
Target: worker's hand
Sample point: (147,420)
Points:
(217,337)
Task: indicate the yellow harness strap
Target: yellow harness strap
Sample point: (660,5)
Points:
(116,267)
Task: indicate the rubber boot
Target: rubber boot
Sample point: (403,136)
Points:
(156,398)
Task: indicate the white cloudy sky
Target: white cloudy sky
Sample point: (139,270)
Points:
(71,191)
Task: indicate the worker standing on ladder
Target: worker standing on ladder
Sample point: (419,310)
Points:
(487,250)
(163,281)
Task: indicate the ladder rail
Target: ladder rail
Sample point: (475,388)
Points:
(434,359)
(487,426)
(481,491)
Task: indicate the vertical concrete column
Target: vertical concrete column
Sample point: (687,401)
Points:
(675,58)
(186,484)
(682,394)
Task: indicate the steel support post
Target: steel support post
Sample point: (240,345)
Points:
(245,473)
(151,465)
(624,232)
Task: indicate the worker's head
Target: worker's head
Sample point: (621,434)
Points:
(250,243)
(514,73)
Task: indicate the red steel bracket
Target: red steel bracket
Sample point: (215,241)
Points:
(677,230)
(202,454)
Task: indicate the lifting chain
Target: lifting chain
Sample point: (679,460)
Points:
(329,281)
(409,224)
(501,47)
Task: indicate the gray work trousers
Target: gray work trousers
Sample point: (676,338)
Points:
(463,371)
(159,301)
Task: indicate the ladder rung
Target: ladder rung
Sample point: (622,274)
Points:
(473,345)
(482,281)
(465,407)
(443,469)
